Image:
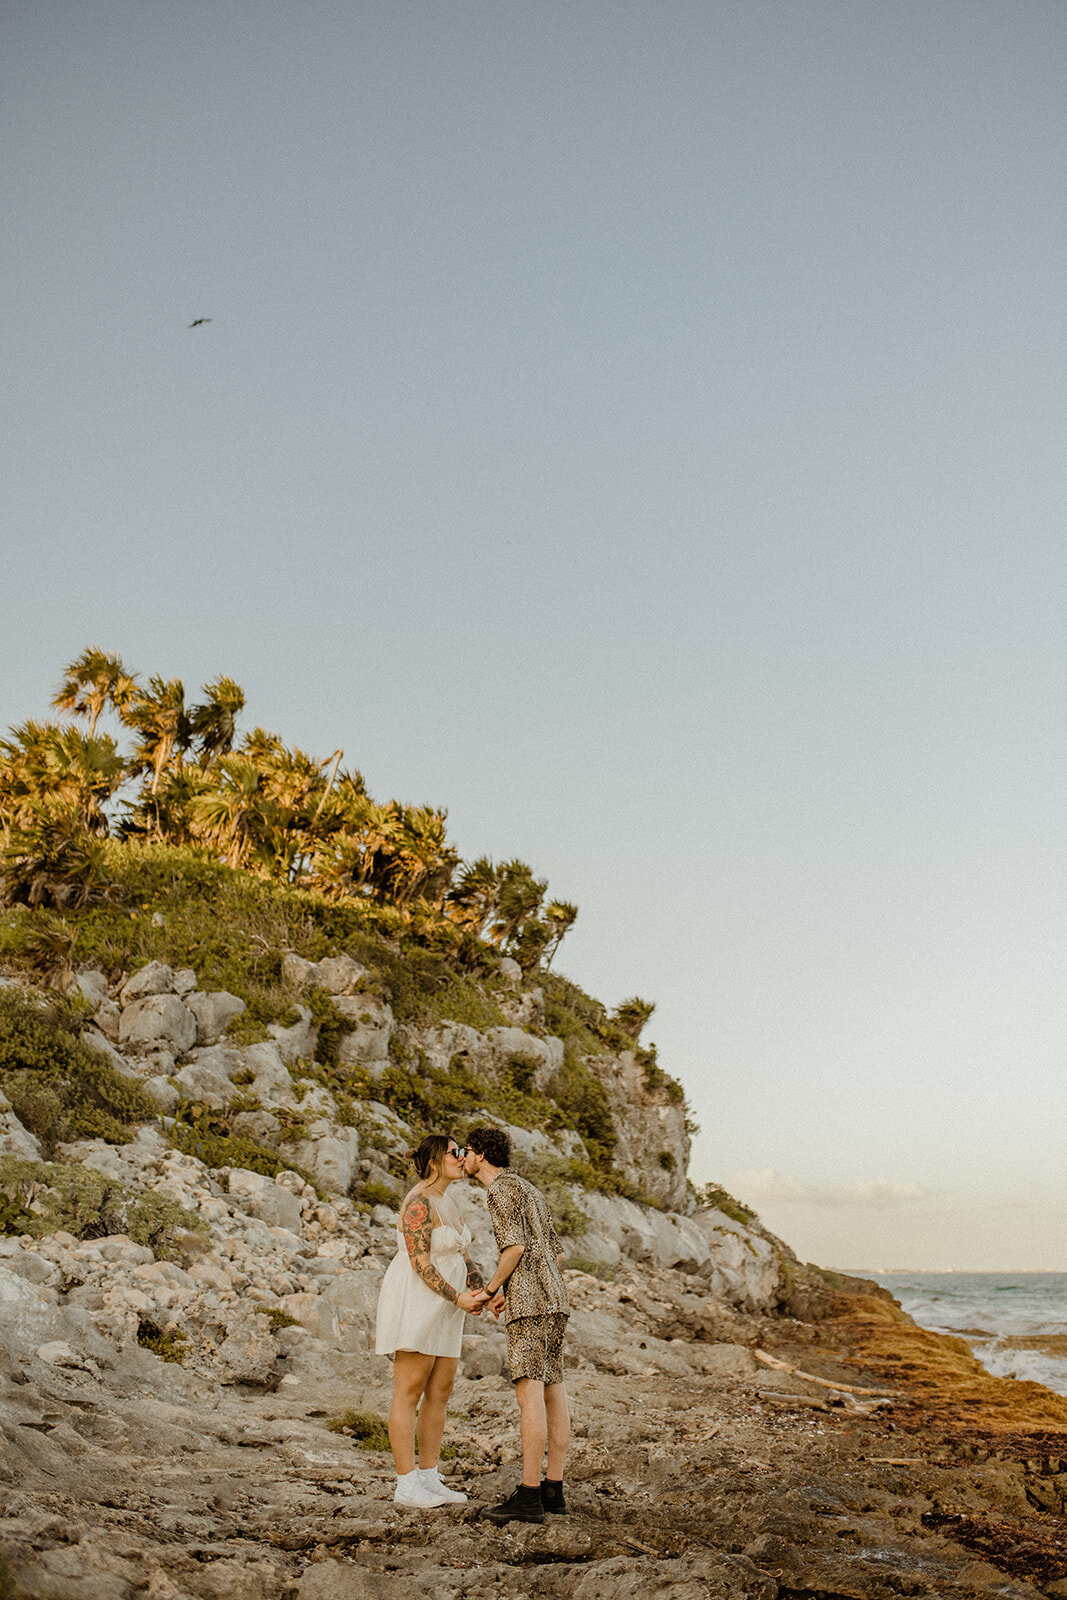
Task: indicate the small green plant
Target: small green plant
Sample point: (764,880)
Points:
(715,1196)
(377,1194)
(70,1197)
(595,1269)
(167,1346)
(367,1428)
(58,1086)
(667,1160)
(278,1318)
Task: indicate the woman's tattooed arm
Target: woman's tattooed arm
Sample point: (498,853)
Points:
(417,1227)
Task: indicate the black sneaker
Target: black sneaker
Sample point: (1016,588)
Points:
(522,1506)
(552,1496)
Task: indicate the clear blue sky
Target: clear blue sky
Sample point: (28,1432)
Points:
(639,428)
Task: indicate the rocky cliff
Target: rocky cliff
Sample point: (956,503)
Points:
(189,1406)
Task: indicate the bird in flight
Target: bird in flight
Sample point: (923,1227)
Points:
(199,323)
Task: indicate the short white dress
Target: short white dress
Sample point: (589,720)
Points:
(411,1316)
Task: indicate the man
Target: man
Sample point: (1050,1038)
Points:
(528,1287)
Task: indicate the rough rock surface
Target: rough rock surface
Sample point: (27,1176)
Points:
(722,1448)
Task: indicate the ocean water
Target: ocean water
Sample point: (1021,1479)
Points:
(1016,1323)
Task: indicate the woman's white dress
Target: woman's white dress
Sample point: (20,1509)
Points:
(411,1315)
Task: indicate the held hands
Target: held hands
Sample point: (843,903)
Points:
(472,1300)
(496,1304)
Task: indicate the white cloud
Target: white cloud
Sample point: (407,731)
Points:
(759,1185)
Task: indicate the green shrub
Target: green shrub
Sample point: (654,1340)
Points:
(595,1269)
(714,1195)
(59,1087)
(47,1197)
(376,1194)
(367,1428)
(667,1160)
(198,1131)
(167,1346)
(552,1177)
(278,1318)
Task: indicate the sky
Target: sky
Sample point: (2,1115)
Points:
(638,428)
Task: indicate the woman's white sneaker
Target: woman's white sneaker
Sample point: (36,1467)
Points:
(412,1492)
(430,1477)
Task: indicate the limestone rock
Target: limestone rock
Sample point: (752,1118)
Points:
(331,1152)
(108,1018)
(510,971)
(315,1313)
(184,981)
(261,1197)
(159,1021)
(338,1580)
(15,1139)
(367,1044)
(248,1351)
(484,1356)
(155,978)
(338,975)
(725,1361)
(91,985)
(271,1082)
(203,1080)
(214,1013)
(296,1042)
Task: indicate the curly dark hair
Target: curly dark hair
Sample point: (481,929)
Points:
(492,1143)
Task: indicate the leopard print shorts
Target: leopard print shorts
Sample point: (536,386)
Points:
(535,1347)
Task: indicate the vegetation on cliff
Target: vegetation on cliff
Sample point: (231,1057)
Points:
(219,852)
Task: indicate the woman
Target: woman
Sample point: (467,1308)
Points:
(429,1285)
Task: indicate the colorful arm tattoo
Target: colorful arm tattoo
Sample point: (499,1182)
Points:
(417,1228)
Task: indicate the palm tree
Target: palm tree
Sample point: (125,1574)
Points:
(46,765)
(560,917)
(519,900)
(472,899)
(93,681)
(232,816)
(159,716)
(214,724)
(632,1015)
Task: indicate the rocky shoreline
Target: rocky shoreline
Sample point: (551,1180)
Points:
(177,1408)
(718,1453)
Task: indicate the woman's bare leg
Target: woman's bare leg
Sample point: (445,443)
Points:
(411,1373)
(432,1412)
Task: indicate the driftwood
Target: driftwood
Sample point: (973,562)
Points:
(809,1377)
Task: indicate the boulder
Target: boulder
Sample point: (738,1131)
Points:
(724,1360)
(367,1042)
(202,1080)
(331,1153)
(338,975)
(159,1021)
(271,1083)
(248,1351)
(315,1313)
(484,1356)
(296,1042)
(155,978)
(91,985)
(214,1013)
(510,971)
(108,1018)
(263,1198)
(184,981)
(15,1139)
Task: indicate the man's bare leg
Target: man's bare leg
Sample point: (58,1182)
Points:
(558,1419)
(533,1428)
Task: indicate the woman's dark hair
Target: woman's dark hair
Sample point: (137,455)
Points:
(430,1153)
(492,1143)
